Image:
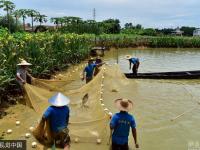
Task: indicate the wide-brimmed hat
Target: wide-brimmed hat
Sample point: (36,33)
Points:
(59,100)
(128,57)
(123,104)
(24,63)
(91,59)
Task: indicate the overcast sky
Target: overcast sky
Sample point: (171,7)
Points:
(149,13)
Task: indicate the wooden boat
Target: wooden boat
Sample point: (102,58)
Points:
(166,75)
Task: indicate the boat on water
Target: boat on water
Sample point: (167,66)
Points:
(166,75)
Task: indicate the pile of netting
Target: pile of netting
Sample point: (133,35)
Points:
(89,117)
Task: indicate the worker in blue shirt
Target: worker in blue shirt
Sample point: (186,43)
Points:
(135,62)
(120,125)
(58,117)
(88,72)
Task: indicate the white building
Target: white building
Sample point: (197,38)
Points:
(196,32)
(177,32)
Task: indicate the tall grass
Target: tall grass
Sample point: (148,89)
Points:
(127,40)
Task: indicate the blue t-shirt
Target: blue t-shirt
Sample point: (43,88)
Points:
(58,116)
(121,123)
(89,70)
(134,60)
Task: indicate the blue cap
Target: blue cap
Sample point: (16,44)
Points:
(59,100)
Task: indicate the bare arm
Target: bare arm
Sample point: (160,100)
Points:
(138,64)
(129,64)
(134,132)
(19,77)
(83,75)
(100,64)
(28,74)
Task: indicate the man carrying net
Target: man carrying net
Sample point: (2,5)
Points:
(57,116)
(22,74)
(88,71)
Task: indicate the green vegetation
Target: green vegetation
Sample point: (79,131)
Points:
(127,40)
(14,25)
(7,6)
(47,52)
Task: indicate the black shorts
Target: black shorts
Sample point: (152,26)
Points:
(62,138)
(88,79)
(119,147)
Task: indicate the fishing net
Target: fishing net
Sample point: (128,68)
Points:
(89,117)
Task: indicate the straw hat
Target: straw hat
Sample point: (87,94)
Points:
(91,59)
(59,100)
(24,63)
(128,57)
(123,104)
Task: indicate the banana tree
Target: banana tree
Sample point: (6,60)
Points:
(32,13)
(7,6)
(72,20)
(56,21)
(40,18)
(23,14)
(17,15)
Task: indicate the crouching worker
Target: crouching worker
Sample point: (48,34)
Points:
(57,116)
(22,75)
(135,62)
(120,125)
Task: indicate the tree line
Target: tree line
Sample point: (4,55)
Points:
(8,21)
(71,24)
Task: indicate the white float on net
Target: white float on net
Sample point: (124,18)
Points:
(98,141)
(31,129)
(105,109)
(76,140)
(102,104)
(27,135)
(110,114)
(9,131)
(17,123)
(34,144)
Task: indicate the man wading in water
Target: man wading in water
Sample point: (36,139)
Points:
(135,62)
(120,125)
(58,117)
(89,70)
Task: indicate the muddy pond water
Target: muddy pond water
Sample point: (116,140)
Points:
(159,101)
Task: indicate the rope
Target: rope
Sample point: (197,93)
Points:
(188,111)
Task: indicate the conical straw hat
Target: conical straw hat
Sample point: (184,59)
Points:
(59,100)
(24,63)
(128,57)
